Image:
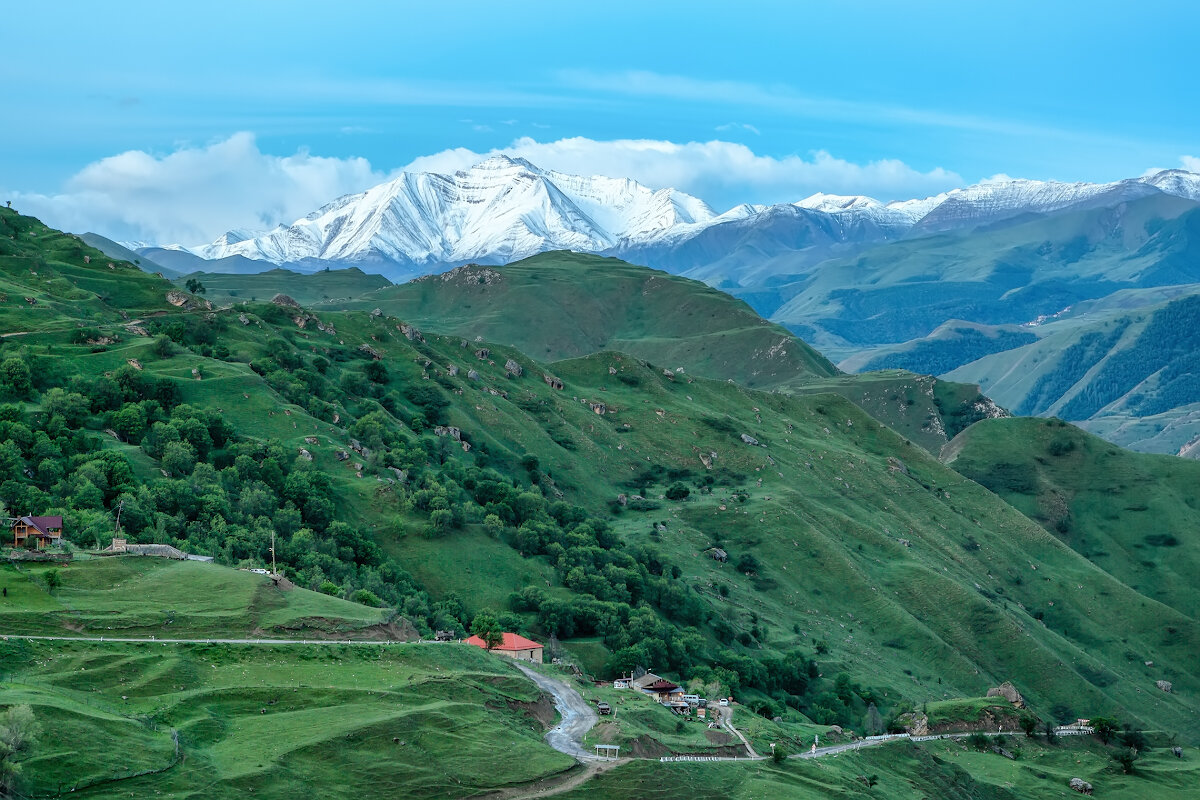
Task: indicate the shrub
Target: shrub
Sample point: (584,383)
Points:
(678,491)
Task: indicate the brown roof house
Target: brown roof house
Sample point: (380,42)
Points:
(37,533)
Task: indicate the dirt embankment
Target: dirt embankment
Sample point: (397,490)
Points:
(541,709)
(396,630)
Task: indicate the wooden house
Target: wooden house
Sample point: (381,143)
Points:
(37,533)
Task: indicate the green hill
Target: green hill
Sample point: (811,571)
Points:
(561,305)
(1131,514)
(329,285)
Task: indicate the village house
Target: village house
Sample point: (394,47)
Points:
(512,646)
(37,533)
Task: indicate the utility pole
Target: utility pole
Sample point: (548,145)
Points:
(117,527)
(273,572)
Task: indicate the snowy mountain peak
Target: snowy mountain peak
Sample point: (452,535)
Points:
(506,208)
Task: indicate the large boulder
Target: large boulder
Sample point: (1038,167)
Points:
(1009,693)
(1164,685)
(1080,785)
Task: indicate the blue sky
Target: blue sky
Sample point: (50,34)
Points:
(762,102)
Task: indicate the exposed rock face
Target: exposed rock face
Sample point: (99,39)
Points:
(446,430)
(307,456)
(185,301)
(1009,693)
(133,362)
(599,408)
(284,300)
(242,318)
(376,313)
(553,382)
(896,465)
(371,351)
(453,370)
(411,333)
(750,440)
(513,368)
(1164,685)
(472,375)
(1080,785)
(482,353)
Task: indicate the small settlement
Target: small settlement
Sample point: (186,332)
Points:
(665,692)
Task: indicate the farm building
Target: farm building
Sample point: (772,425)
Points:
(37,533)
(513,646)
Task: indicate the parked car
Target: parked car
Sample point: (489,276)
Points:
(724,701)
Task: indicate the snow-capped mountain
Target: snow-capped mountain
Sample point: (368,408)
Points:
(505,209)
(499,210)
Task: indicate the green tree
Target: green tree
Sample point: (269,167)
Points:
(486,627)
(1106,729)
(1125,756)
(53,580)
(18,733)
(15,377)
(178,459)
(195,287)
(1029,724)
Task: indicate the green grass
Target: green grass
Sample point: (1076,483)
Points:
(304,288)
(275,720)
(139,596)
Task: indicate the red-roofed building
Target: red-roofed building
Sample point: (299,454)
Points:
(37,533)
(665,692)
(513,646)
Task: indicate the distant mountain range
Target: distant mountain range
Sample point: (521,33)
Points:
(505,209)
(971,284)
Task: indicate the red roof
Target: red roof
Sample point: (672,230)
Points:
(663,686)
(44,524)
(511,642)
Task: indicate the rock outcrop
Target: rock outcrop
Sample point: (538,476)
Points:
(284,300)
(1080,785)
(1009,693)
(1164,685)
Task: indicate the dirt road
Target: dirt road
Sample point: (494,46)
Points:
(578,717)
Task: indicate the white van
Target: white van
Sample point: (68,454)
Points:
(724,701)
(692,699)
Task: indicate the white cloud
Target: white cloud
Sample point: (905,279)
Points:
(723,173)
(195,194)
(1190,163)
(738,126)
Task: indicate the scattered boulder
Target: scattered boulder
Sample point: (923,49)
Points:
(307,456)
(411,333)
(750,440)
(1009,693)
(310,440)
(342,455)
(482,353)
(448,430)
(1164,685)
(453,370)
(717,554)
(371,351)
(896,465)
(242,318)
(622,500)
(553,382)
(195,373)
(612,370)
(1177,751)
(284,300)
(133,362)
(137,330)
(599,408)
(1080,785)
(668,373)
(400,474)
(836,730)
(472,375)
(376,313)
(513,368)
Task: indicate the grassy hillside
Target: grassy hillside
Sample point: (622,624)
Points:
(1128,376)
(402,469)
(1132,514)
(305,288)
(598,304)
(135,596)
(217,721)
(1010,272)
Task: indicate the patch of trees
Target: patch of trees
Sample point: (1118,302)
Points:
(938,356)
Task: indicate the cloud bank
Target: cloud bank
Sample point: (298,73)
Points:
(195,194)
